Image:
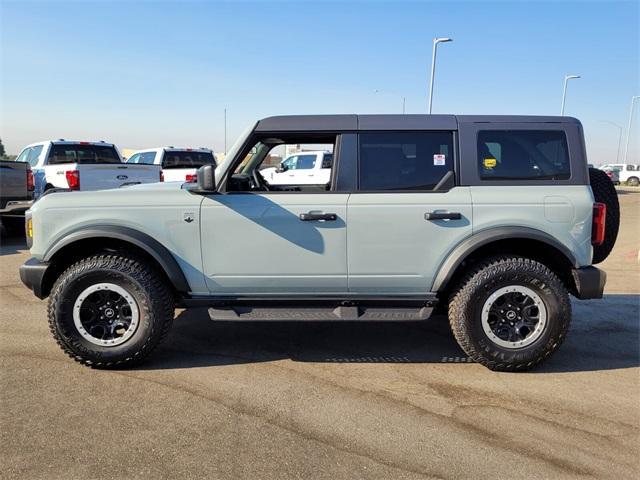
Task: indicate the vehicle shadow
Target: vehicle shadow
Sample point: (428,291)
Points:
(12,243)
(604,336)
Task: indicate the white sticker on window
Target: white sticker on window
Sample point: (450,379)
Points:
(438,159)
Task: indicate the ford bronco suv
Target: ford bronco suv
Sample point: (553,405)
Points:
(492,219)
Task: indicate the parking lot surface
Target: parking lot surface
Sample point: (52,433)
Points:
(325,400)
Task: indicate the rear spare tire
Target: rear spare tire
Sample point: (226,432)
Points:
(605,192)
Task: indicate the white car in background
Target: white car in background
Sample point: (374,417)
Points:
(302,168)
(82,166)
(178,164)
(628,173)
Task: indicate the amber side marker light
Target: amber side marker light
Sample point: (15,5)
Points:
(30,228)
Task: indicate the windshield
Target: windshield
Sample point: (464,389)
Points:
(233,151)
(83,154)
(186,159)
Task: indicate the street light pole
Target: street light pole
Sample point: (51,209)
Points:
(619,127)
(564,90)
(626,147)
(225,132)
(436,41)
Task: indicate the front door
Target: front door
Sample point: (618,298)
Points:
(275,243)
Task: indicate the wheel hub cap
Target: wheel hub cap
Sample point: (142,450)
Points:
(106,314)
(514,316)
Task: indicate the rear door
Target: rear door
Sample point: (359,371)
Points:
(407,212)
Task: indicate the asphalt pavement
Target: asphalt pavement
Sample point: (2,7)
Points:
(325,400)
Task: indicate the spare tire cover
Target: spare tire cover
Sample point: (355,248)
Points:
(605,192)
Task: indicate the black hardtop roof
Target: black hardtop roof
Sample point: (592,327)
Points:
(393,122)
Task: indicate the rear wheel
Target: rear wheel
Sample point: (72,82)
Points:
(510,313)
(605,192)
(633,181)
(110,310)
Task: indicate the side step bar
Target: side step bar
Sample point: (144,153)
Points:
(342,312)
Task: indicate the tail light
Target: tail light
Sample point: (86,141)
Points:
(161,176)
(30,184)
(598,225)
(191,178)
(73,179)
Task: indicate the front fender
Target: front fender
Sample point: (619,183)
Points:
(147,243)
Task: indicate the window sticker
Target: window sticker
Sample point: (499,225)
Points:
(439,159)
(490,162)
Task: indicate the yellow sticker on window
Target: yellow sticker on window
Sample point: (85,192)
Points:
(490,162)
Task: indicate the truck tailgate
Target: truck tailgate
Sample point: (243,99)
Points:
(109,175)
(13,182)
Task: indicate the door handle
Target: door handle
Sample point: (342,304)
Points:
(312,216)
(442,216)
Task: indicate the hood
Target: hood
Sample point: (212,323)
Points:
(155,194)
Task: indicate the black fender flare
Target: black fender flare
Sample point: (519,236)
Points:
(461,251)
(153,247)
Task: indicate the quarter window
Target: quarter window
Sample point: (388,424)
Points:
(404,160)
(523,155)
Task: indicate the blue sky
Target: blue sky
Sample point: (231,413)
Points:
(160,73)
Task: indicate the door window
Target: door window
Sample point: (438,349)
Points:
(34,154)
(305,162)
(404,160)
(285,165)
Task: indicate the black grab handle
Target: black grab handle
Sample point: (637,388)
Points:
(442,216)
(311,216)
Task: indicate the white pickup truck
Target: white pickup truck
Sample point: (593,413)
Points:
(178,164)
(303,168)
(82,166)
(628,173)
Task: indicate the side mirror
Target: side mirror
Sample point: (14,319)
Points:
(206,176)
(282,168)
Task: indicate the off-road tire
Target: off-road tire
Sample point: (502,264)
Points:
(153,297)
(605,192)
(467,300)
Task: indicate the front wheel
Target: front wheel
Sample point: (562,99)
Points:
(110,310)
(510,313)
(633,181)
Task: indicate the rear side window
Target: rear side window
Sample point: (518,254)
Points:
(523,155)
(186,159)
(327,160)
(404,160)
(83,154)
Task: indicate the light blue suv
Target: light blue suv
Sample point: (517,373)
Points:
(492,219)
